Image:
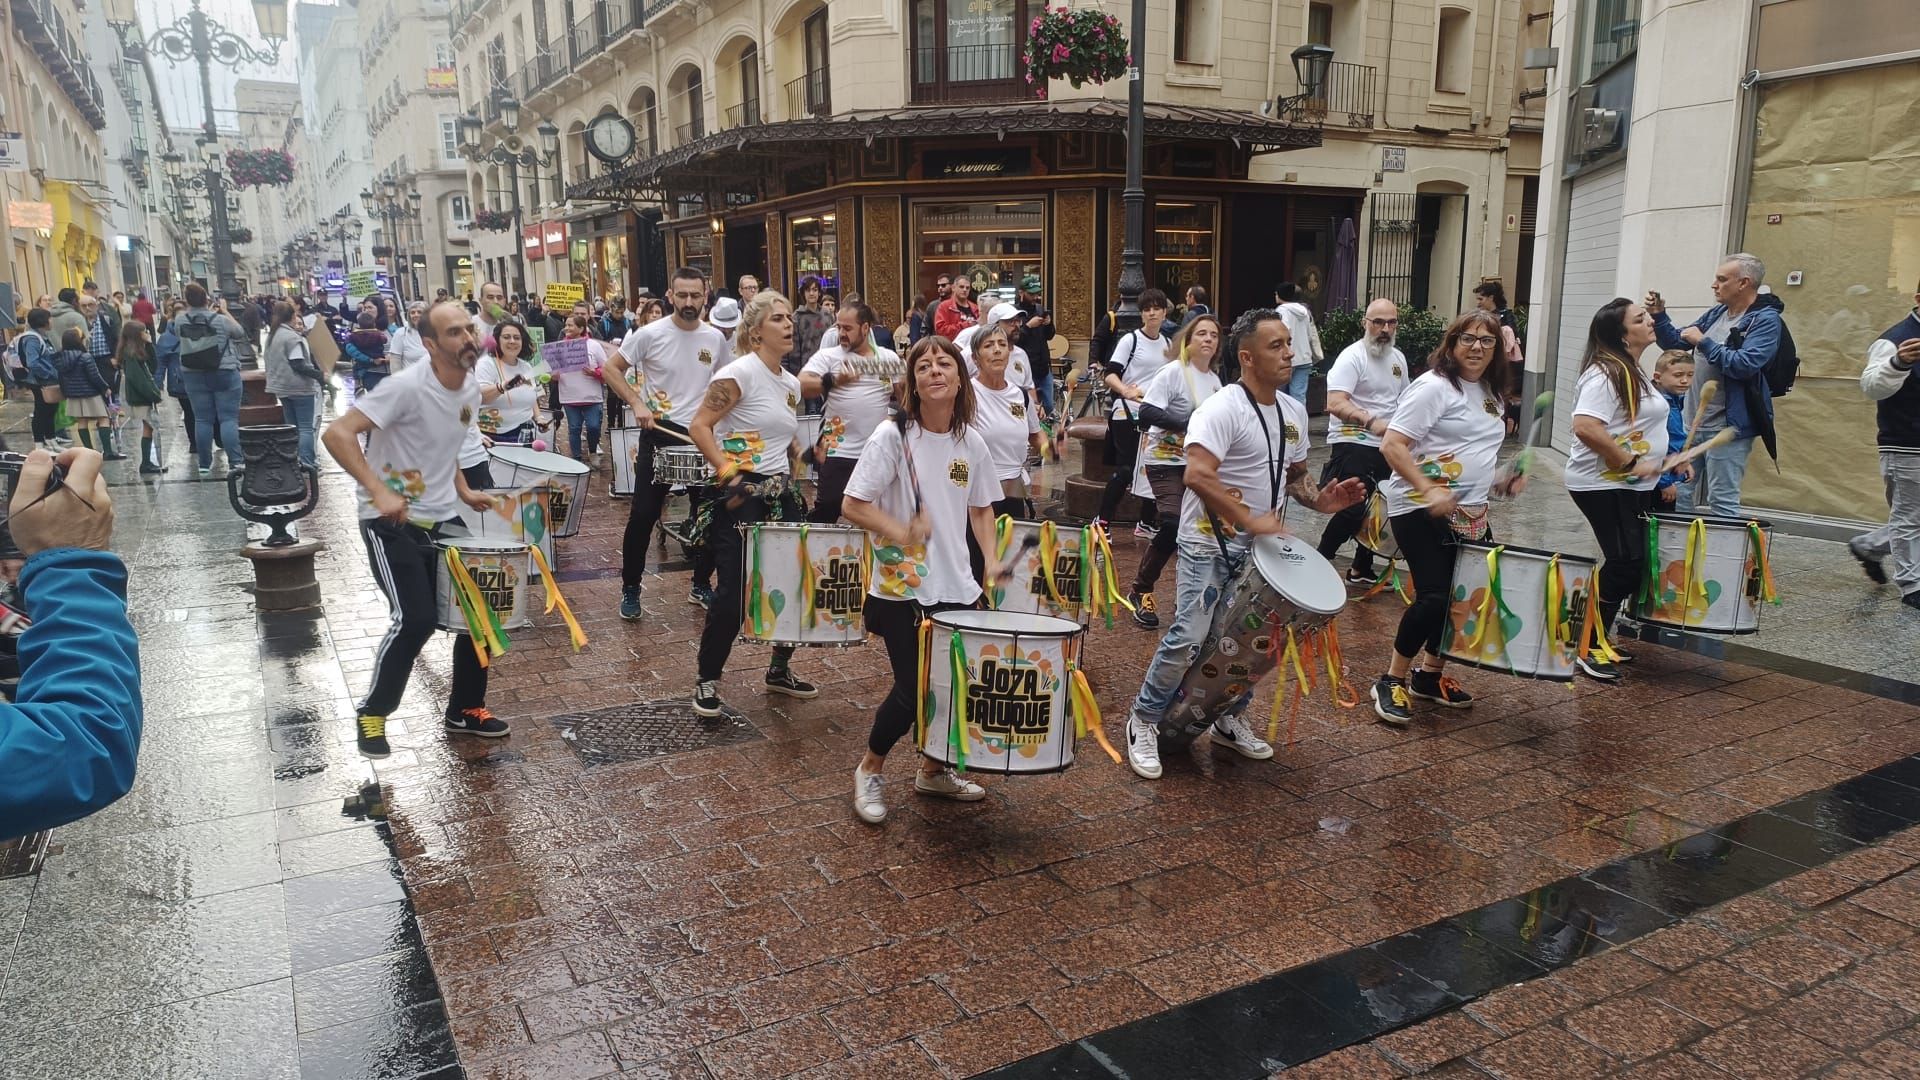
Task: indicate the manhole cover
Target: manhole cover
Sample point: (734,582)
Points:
(21,857)
(649,729)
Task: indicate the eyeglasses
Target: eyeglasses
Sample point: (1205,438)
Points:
(1477,341)
(1383,322)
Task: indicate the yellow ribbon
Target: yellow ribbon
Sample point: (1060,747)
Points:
(1489,614)
(1106,586)
(482,626)
(1769,592)
(1002,539)
(922,705)
(1695,558)
(1593,636)
(577,635)
(1049,556)
(1559,623)
(807,615)
(1289,656)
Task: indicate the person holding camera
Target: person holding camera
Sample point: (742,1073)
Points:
(1035,333)
(71,736)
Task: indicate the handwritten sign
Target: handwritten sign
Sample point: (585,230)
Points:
(362,281)
(562,295)
(568,354)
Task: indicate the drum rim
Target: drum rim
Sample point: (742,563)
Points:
(1498,670)
(1685,629)
(484,543)
(1561,555)
(1712,520)
(945,618)
(572,468)
(782,526)
(861,640)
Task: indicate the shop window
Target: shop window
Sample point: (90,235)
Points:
(993,243)
(459,211)
(1196,31)
(1610,34)
(1453,52)
(696,251)
(815,250)
(1183,246)
(969,50)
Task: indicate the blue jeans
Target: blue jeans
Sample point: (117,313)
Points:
(298,410)
(1717,477)
(216,407)
(587,416)
(1202,578)
(1043,387)
(1297,385)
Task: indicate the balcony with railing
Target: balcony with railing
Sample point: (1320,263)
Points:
(807,96)
(745,114)
(1344,97)
(46,30)
(587,35)
(965,74)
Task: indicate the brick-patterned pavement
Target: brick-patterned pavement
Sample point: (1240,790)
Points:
(720,913)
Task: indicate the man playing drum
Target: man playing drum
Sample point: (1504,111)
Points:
(856,403)
(1364,385)
(1246,452)
(414,424)
(675,357)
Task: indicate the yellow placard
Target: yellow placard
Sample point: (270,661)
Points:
(562,295)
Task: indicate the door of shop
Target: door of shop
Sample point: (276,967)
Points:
(1256,261)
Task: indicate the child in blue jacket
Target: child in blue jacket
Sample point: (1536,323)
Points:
(1673,374)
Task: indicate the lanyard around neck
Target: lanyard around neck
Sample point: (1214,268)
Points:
(1273,464)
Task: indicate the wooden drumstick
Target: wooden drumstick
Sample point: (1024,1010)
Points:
(688,439)
(1674,461)
(1707,390)
(1007,568)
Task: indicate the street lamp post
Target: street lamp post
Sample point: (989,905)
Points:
(1133,257)
(524,157)
(396,212)
(344,227)
(196,37)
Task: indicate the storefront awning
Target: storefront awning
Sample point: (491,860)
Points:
(648,179)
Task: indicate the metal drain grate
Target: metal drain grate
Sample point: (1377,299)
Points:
(21,857)
(650,729)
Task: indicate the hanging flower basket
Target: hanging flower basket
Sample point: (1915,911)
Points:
(381,251)
(241,235)
(1080,45)
(259,168)
(492,220)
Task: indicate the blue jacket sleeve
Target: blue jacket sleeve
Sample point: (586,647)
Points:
(1668,335)
(69,743)
(1761,341)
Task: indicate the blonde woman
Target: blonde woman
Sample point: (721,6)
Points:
(1167,401)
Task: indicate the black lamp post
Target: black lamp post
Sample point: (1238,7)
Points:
(395,211)
(344,227)
(1133,256)
(515,155)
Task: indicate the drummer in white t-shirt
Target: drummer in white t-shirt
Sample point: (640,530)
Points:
(921,504)
(857,403)
(1167,403)
(1363,387)
(1246,454)
(1444,446)
(1005,417)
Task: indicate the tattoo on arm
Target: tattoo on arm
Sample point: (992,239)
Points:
(721,397)
(1301,485)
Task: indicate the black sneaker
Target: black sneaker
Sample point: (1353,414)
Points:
(630,603)
(783,681)
(701,596)
(1438,687)
(1144,611)
(1595,668)
(1390,701)
(373,737)
(1360,578)
(480,721)
(1876,573)
(706,700)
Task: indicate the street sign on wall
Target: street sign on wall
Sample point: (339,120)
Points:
(13,152)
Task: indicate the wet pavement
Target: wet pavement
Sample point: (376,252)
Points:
(719,913)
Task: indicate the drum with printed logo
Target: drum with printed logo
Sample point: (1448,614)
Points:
(565,480)
(808,438)
(1518,610)
(495,578)
(1049,572)
(996,691)
(1284,586)
(518,515)
(804,584)
(1709,574)
(681,466)
(625,443)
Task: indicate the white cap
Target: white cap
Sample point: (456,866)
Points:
(725,313)
(1002,312)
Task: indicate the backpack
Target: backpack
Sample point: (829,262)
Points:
(15,356)
(202,344)
(1784,368)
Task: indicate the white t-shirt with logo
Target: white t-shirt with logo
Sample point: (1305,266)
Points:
(1179,389)
(1256,445)
(1374,385)
(1019,367)
(1140,358)
(755,434)
(955,472)
(1455,436)
(1007,422)
(1641,430)
(675,366)
(513,408)
(419,426)
(854,409)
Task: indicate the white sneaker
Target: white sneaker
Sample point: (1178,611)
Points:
(1143,747)
(946,784)
(596,458)
(1232,731)
(869,797)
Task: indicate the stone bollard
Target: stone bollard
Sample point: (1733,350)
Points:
(275,489)
(1084,491)
(257,407)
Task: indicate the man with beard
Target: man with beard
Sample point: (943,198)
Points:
(493,308)
(414,423)
(1365,383)
(857,403)
(675,357)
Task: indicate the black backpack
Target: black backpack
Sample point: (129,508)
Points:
(1785,365)
(202,343)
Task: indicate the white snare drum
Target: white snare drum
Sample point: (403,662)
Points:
(683,466)
(1014,683)
(519,466)
(811,586)
(624,443)
(1376,534)
(1055,553)
(519,516)
(808,438)
(499,568)
(1284,584)
(1730,577)
(1533,628)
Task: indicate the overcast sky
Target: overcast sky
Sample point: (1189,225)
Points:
(180,83)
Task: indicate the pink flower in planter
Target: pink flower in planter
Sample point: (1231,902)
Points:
(1060,54)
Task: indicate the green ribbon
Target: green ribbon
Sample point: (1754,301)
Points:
(755,598)
(957,696)
(1650,592)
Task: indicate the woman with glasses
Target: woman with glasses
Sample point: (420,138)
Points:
(1443,445)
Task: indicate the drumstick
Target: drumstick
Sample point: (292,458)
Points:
(1006,568)
(1707,390)
(1674,461)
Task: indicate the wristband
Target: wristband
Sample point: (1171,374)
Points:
(826,383)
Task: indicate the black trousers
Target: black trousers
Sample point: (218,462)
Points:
(643,514)
(830,489)
(186,417)
(479,477)
(1351,460)
(729,605)
(403,558)
(1429,546)
(1167,539)
(1014,507)
(1619,524)
(1122,452)
(43,416)
(896,623)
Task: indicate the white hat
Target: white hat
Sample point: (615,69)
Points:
(725,313)
(1002,312)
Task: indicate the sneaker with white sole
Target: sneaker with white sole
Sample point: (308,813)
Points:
(1143,747)
(1233,732)
(869,797)
(1145,531)
(480,721)
(947,784)
(371,737)
(1595,668)
(783,681)
(1391,702)
(1145,612)
(706,700)
(1439,687)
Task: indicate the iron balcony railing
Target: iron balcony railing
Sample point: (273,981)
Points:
(588,35)
(1344,97)
(43,27)
(968,73)
(745,114)
(807,96)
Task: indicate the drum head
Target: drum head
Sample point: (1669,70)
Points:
(1291,565)
(539,460)
(481,545)
(1008,623)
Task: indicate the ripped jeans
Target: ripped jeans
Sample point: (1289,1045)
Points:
(1202,581)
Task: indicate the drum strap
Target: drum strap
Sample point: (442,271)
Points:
(1274,468)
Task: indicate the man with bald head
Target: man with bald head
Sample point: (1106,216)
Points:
(1363,386)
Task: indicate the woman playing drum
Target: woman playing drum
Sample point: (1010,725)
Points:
(509,397)
(1166,404)
(1004,419)
(1620,442)
(1443,445)
(920,530)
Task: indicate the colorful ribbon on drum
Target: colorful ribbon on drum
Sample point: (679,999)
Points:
(554,599)
(483,623)
(1002,540)
(1493,606)
(1099,588)
(759,604)
(957,702)
(808,617)
(1763,566)
(1695,564)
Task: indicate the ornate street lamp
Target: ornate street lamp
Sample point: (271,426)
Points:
(524,157)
